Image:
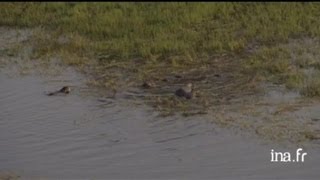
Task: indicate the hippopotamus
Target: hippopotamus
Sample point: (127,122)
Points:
(63,90)
(148,84)
(185,91)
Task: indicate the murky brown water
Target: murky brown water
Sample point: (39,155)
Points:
(77,136)
(86,136)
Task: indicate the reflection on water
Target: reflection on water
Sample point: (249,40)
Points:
(84,136)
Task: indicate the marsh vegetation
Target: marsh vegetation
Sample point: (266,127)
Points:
(225,49)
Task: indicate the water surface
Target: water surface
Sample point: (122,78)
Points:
(79,136)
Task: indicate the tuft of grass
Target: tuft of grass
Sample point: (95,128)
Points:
(311,87)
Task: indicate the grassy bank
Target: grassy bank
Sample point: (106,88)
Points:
(163,29)
(177,34)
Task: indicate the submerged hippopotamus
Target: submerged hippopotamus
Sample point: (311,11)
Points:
(185,91)
(63,90)
(148,84)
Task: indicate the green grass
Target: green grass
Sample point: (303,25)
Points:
(176,33)
(145,29)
